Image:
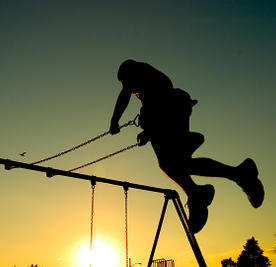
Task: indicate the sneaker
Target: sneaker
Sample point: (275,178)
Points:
(197,204)
(249,182)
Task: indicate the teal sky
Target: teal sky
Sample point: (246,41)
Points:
(58,66)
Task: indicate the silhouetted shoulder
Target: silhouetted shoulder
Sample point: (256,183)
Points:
(142,75)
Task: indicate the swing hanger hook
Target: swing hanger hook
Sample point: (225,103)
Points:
(93,183)
(135,121)
(126,187)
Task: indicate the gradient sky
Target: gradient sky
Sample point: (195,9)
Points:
(58,68)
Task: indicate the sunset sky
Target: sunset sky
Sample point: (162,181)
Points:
(58,67)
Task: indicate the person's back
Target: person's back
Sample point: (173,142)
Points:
(167,112)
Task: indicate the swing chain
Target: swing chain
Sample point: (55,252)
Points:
(105,157)
(135,122)
(93,185)
(126,222)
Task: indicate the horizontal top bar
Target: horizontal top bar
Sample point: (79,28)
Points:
(50,172)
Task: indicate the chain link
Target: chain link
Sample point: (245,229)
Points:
(105,157)
(131,122)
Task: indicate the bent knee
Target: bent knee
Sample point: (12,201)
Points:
(197,138)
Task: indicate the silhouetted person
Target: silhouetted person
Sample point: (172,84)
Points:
(164,118)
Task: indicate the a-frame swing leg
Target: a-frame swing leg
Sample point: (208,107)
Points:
(184,220)
(158,230)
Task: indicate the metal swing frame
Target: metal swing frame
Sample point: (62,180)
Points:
(168,193)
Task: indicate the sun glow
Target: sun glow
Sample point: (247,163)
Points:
(102,255)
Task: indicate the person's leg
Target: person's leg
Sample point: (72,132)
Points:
(179,177)
(210,168)
(175,160)
(202,166)
(171,164)
(199,197)
(244,175)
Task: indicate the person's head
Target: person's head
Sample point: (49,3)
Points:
(127,69)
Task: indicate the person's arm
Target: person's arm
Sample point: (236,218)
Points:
(142,138)
(120,107)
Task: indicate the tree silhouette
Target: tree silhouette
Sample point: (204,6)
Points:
(251,256)
(228,263)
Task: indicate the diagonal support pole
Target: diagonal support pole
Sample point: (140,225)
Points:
(184,221)
(158,230)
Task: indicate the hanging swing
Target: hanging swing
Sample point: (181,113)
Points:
(93,185)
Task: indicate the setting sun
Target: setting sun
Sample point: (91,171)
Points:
(102,255)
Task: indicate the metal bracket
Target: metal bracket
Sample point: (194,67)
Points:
(171,194)
(126,186)
(93,182)
(50,172)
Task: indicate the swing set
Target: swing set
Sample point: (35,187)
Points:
(168,193)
